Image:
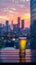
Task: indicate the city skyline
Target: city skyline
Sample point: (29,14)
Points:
(11,9)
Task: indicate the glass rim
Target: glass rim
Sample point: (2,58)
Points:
(22,38)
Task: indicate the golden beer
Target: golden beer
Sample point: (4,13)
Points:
(22,43)
(22,46)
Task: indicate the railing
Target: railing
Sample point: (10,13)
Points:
(14,56)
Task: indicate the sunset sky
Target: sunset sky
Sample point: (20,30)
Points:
(11,9)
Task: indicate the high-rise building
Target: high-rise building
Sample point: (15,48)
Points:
(18,22)
(33,30)
(22,21)
(0,29)
(33,23)
(11,25)
(33,10)
(3,28)
(7,27)
(7,23)
(15,27)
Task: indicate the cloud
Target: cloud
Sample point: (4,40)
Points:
(28,0)
(14,9)
(3,17)
(27,16)
(13,6)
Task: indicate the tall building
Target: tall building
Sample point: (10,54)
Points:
(0,29)
(33,30)
(7,23)
(33,10)
(18,22)
(33,23)
(3,28)
(22,21)
(11,25)
(15,27)
(8,29)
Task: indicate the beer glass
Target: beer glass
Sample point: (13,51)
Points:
(22,47)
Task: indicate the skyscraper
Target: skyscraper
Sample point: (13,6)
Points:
(3,28)
(15,27)
(33,30)
(18,22)
(0,29)
(33,10)
(33,24)
(22,21)
(7,23)
(12,25)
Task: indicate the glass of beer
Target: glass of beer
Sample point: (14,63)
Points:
(22,47)
(22,43)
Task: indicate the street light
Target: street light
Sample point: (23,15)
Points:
(22,46)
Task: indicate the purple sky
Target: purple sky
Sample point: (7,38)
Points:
(11,9)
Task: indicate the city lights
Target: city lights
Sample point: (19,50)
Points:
(13,39)
(14,46)
(2,37)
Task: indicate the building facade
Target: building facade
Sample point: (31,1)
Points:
(18,22)
(33,10)
(22,24)
(33,30)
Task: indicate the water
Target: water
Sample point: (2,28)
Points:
(13,56)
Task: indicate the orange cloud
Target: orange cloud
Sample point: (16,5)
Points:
(3,17)
(27,16)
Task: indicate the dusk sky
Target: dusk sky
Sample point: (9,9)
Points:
(11,9)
